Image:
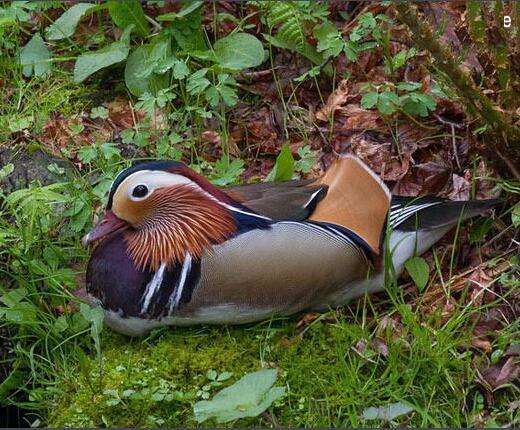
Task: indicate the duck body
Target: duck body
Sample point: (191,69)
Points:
(289,249)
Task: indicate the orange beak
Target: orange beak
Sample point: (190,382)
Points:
(109,224)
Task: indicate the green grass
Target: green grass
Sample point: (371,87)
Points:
(328,383)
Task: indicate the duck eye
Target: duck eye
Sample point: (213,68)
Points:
(140,191)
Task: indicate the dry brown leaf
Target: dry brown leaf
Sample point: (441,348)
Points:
(425,178)
(335,100)
(379,158)
(357,118)
(307,319)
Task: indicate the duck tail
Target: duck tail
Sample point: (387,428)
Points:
(430,213)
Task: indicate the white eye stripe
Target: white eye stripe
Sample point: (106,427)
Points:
(152,179)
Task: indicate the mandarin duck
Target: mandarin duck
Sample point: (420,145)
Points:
(173,249)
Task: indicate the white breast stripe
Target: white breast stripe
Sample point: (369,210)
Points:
(152,287)
(358,248)
(177,292)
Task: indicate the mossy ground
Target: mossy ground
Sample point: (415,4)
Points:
(328,382)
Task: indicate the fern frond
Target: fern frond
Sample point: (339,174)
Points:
(287,20)
(291,22)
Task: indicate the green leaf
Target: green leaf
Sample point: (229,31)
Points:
(367,20)
(91,62)
(95,316)
(330,41)
(66,24)
(386,413)
(239,51)
(228,94)
(180,70)
(408,86)
(515,215)
(306,50)
(187,29)
(128,12)
(197,83)
(283,169)
(369,100)
(479,229)
(35,57)
(248,397)
(387,102)
(134,68)
(418,103)
(418,271)
(188,8)
(227,173)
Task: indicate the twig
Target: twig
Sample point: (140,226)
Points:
(448,122)
(454,144)
(510,165)
(133,115)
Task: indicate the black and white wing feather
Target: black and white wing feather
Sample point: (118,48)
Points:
(407,214)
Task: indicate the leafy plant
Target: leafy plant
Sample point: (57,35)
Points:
(248,397)
(34,58)
(290,19)
(418,271)
(390,98)
(283,169)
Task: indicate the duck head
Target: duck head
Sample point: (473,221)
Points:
(166,211)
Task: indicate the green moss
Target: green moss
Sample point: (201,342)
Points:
(328,382)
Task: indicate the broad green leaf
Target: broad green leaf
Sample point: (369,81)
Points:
(197,82)
(229,95)
(367,20)
(187,29)
(239,51)
(386,413)
(128,12)
(188,8)
(180,70)
(283,169)
(408,86)
(418,270)
(387,102)
(307,50)
(135,65)
(66,24)
(95,316)
(35,57)
(91,62)
(369,100)
(248,397)
(479,229)
(330,41)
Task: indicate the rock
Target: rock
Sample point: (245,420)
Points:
(29,165)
